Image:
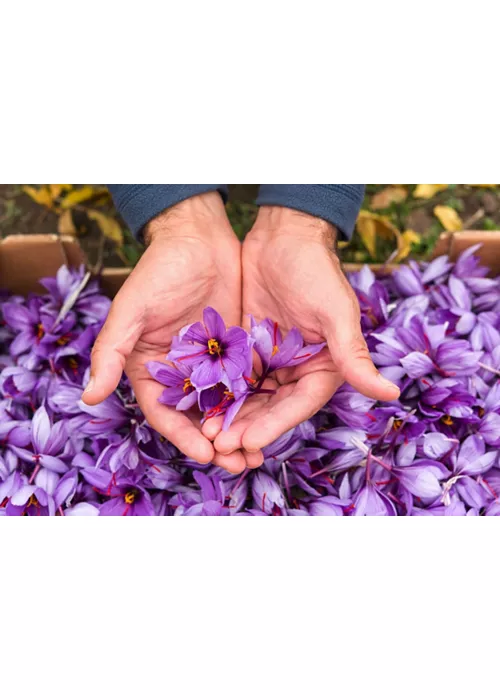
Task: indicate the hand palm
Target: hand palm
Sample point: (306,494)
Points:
(173,282)
(294,278)
(275,285)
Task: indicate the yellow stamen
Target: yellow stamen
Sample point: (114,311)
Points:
(213,347)
(72,363)
(129,497)
(39,331)
(447,420)
(187,384)
(275,350)
(229,394)
(480,412)
(397,424)
(33,501)
(63,340)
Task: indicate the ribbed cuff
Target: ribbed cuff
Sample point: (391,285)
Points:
(138,204)
(338,204)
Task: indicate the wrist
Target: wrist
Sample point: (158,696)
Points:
(275,221)
(204,215)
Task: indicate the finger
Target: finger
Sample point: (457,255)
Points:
(111,349)
(355,365)
(308,396)
(234,463)
(350,353)
(253,459)
(212,427)
(228,441)
(176,426)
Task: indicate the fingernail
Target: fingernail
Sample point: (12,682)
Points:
(89,386)
(387,383)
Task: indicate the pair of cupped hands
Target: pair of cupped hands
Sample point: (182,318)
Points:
(286,270)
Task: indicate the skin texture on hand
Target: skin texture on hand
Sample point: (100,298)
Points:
(193,260)
(292,275)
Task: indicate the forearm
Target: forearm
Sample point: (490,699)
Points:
(339,205)
(139,204)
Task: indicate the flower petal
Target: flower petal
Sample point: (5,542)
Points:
(195,333)
(166,374)
(417,364)
(207,374)
(40,427)
(215,326)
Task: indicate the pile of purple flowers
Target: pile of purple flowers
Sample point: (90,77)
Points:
(212,366)
(433,329)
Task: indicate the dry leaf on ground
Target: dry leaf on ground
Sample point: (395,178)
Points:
(82,195)
(109,227)
(449,218)
(428,191)
(405,242)
(40,195)
(371,225)
(390,194)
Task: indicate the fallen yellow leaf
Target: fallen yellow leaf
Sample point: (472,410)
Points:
(82,195)
(449,218)
(109,226)
(40,196)
(428,191)
(57,190)
(368,232)
(390,194)
(405,241)
(370,225)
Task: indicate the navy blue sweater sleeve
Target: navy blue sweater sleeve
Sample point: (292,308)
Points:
(138,204)
(338,204)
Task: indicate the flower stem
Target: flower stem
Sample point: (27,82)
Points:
(489,369)
(35,472)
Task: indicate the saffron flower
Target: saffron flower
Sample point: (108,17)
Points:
(216,353)
(179,391)
(212,365)
(433,328)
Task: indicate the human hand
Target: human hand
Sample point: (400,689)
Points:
(193,260)
(292,275)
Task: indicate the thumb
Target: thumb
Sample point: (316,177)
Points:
(351,356)
(111,349)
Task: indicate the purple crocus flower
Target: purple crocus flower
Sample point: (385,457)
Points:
(329,506)
(108,416)
(126,496)
(30,322)
(71,358)
(471,461)
(421,477)
(433,329)
(26,499)
(89,303)
(423,349)
(373,502)
(275,352)
(17,382)
(267,494)
(209,501)
(352,407)
(410,280)
(179,391)
(372,296)
(48,442)
(216,353)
